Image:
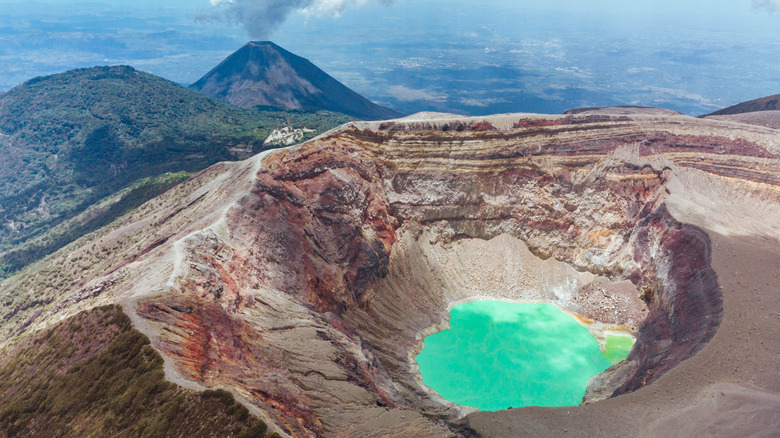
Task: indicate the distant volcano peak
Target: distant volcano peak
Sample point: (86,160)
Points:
(263,73)
(262,43)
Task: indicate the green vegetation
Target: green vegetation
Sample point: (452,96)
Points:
(60,275)
(69,140)
(94,375)
(96,216)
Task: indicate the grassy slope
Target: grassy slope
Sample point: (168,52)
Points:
(94,375)
(98,215)
(69,140)
(58,276)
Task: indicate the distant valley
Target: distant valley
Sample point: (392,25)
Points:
(452,57)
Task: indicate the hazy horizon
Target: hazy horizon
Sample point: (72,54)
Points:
(696,56)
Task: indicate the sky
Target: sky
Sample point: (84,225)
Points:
(364,43)
(261,17)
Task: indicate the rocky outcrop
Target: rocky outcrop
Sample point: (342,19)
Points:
(310,277)
(286,136)
(686,308)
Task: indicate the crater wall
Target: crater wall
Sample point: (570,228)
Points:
(351,247)
(304,280)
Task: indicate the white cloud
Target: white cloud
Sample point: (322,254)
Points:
(406,94)
(332,8)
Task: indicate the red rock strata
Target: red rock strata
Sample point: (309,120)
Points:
(309,298)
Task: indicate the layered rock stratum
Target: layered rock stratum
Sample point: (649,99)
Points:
(303,280)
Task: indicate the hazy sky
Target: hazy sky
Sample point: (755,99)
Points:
(262,18)
(707,52)
(751,9)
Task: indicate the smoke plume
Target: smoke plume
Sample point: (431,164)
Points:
(261,17)
(770,6)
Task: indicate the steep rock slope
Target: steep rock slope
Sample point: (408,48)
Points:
(304,279)
(262,73)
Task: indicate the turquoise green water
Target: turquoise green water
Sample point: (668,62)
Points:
(617,348)
(498,355)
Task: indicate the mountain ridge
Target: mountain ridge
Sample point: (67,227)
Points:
(263,73)
(71,139)
(766,103)
(763,111)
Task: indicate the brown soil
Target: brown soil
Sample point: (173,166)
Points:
(730,388)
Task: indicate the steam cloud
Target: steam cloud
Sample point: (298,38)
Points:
(261,17)
(770,6)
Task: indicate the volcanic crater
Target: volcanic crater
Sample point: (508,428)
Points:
(352,247)
(305,279)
